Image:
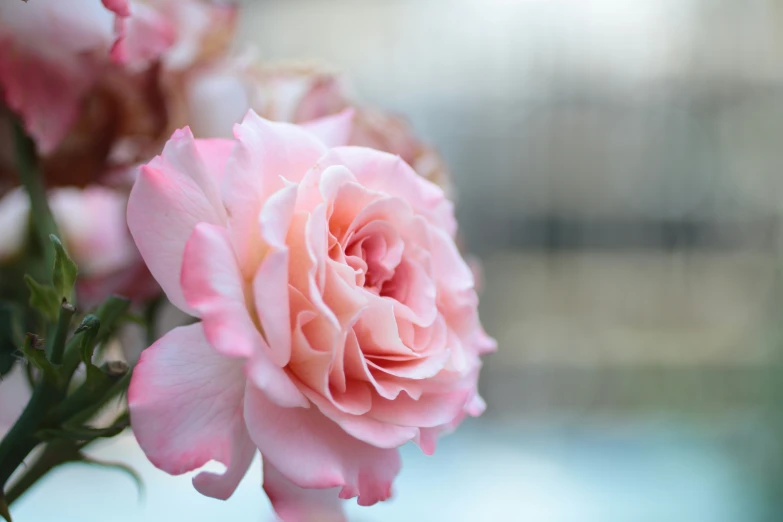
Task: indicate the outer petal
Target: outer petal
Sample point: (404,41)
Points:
(314,452)
(294,504)
(186,404)
(173,193)
(267,154)
(334,131)
(213,286)
(214,153)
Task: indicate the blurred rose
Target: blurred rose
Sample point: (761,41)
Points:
(338,320)
(93,229)
(106,99)
(218,97)
(53,52)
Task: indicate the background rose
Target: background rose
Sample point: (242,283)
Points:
(338,320)
(118,79)
(53,52)
(219,96)
(93,228)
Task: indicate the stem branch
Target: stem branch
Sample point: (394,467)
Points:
(30,178)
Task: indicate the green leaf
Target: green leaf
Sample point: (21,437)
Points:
(88,329)
(37,357)
(64,276)
(109,312)
(43,298)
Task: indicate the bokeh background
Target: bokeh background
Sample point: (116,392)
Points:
(618,169)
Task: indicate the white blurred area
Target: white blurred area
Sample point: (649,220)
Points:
(618,165)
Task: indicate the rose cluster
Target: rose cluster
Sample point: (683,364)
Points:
(312,237)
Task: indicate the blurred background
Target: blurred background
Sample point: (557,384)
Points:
(617,165)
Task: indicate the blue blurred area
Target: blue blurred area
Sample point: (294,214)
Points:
(541,472)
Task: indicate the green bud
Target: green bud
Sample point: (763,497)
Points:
(64,275)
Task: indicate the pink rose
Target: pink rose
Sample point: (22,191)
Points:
(93,229)
(117,80)
(53,53)
(338,320)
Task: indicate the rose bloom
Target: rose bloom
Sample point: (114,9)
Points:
(55,51)
(337,318)
(93,229)
(220,95)
(98,86)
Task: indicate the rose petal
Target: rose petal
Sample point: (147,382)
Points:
(295,504)
(186,404)
(314,452)
(432,409)
(335,130)
(270,283)
(364,427)
(213,286)
(267,153)
(172,194)
(390,174)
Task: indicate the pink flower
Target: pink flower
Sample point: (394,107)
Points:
(93,229)
(100,91)
(53,52)
(338,320)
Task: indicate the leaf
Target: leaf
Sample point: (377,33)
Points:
(43,298)
(109,312)
(37,358)
(132,473)
(64,275)
(89,328)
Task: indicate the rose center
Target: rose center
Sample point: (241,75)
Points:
(375,252)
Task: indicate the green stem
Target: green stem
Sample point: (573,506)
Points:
(56,348)
(20,440)
(30,178)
